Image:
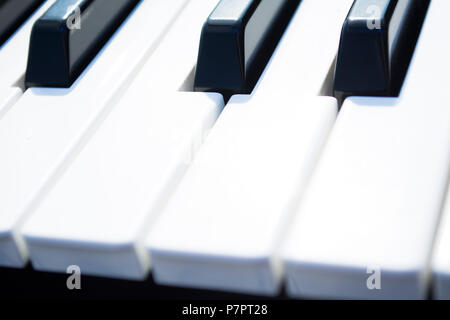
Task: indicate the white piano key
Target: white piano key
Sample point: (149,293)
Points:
(117,184)
(366,224)
(221,228)
(46,128)
(304,57)
(13,61)
(8,96)
(441,256)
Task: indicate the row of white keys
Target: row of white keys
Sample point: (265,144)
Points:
(221,228)
(366,225)
(441,256)
(45,129)
(13,61)
(95,214)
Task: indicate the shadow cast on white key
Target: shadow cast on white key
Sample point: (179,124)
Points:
(375,198)
(46,128)
(95,215)
(13,61)
(222,227)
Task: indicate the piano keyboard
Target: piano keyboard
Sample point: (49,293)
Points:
(247,147)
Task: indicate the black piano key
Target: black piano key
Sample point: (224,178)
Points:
(377,42)
(61,45)
(13,14)
(237,40)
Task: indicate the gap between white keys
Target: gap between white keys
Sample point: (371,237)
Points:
(13,61)
(47,127)
(222,226)
(374,201)
(127,171)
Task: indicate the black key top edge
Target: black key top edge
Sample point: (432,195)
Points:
(57,54)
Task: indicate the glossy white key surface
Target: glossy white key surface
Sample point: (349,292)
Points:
(441,256)
(13,61)
(366,224)
(47,127)
(222,227)
(8,96)
(96,213)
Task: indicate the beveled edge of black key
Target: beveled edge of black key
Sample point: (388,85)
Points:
(48,64)
(229,27)
(49,60)
(222,38)
(386,77)
(358,41)
(227,16)
(357,19)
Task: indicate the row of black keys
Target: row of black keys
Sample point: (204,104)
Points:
(376,46)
